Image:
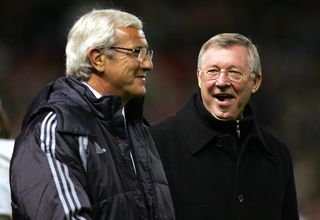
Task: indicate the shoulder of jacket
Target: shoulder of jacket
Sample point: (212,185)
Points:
(74,119)
(165,124)
(70,119)
(275,143)
(164,130)
(270,136)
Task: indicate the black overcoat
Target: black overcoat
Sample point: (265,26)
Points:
(225,170)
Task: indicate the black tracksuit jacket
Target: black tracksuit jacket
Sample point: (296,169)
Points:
(77,158)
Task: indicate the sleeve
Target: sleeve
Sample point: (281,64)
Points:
(290,207)
(47,174)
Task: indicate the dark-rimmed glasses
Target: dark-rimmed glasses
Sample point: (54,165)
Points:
(140,53)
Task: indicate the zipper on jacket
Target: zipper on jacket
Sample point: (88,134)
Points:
(238,128)
(139,179)
(236,179)
(128,136)
(235,188)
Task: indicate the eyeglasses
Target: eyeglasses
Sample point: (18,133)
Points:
(232,74)
(140,53)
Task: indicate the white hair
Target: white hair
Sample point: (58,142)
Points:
(230,39)
(94,29)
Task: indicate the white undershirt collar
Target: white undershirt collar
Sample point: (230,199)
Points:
(98,95)
(95,93)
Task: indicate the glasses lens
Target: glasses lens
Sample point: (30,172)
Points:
(235,76)
(212,73)
(143,53)
(150,53)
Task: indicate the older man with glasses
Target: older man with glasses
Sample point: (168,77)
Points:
(219,162)
(84,151)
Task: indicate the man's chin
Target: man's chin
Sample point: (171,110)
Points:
(224,116)
(139,93)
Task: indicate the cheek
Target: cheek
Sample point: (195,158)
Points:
(244,95)
(208,87)
(127,65)
(204,84)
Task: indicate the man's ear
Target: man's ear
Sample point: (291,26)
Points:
(96,59)
(199,78)
(256,83)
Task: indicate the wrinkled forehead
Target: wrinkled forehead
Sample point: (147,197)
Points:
(232,55)
(130,34)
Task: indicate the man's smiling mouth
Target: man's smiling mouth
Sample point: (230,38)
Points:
(223,97)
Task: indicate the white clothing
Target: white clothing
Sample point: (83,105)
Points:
(6,149)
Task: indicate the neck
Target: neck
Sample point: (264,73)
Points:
(97,83)
(99,86)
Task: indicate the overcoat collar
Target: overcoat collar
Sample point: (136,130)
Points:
(198,126)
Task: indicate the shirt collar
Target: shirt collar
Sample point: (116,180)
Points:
(95,93)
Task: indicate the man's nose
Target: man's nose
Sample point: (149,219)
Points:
(147,64)
(223,80)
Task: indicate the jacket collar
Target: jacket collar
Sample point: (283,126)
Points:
(108,105)
(72,98)
(198,127)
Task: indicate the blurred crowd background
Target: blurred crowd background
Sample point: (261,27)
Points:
(33,36)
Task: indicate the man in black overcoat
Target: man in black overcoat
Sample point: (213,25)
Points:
(219,162)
